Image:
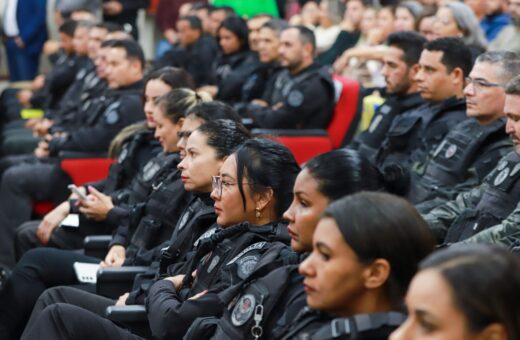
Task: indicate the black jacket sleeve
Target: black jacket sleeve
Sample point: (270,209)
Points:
(169,317)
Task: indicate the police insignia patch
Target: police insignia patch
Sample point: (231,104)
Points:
(150,170)
(246,265)
(501,177)
(243,310)
(295,98)
(213,263)
(452,150)
(112,113)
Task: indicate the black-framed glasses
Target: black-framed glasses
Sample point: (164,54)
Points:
(480,84)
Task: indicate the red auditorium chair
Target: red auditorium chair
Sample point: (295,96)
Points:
(306,144)
(81,171)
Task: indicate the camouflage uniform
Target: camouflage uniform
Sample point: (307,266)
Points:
(461,161)
(480,208)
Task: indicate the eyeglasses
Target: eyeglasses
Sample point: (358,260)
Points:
(480,84)
(217,185)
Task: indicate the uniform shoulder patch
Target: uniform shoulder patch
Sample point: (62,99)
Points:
(112,113)
(295,98)
(243,310)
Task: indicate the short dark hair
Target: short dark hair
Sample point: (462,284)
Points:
(276,25)
(110,26)
(133,50)
(227,9)
(194,22)
(197,6)
(306,35)
(383,226)
(267,164)
(214,110)
(455,54)
(411,43)
(238,27)
(68,27)
(484,283)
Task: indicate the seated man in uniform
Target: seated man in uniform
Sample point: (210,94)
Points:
(302,95)
(400,65)
(493,204)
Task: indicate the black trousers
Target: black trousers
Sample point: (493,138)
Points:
(36,271)
(62,238)
(21,185)
(94,303)
(64,321)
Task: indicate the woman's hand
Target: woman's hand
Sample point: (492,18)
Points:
(115,257)
(51,221)
(96,206)
(122,300)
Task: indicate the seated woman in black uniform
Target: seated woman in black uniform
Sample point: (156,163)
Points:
(366,249)
(235,63)
(132,148)
(42,268)
(316,186)
(251,193)
(467,292)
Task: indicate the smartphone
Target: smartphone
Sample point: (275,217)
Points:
(76,190)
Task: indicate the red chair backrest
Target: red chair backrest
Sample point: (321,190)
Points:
(86,170)
(345,111)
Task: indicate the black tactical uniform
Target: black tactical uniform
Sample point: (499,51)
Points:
(40,180)
(321,326)
(43,268)
(196,59)
(265,303)
(198,217)
(226,258)
(461,161)
(481,208)
(231,72)
(414,134)
(135,153)
(370,140)
(301,101)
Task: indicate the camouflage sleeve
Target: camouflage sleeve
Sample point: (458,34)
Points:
(506,233)
(441,218)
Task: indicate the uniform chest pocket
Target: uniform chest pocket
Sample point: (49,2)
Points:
(399,135)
